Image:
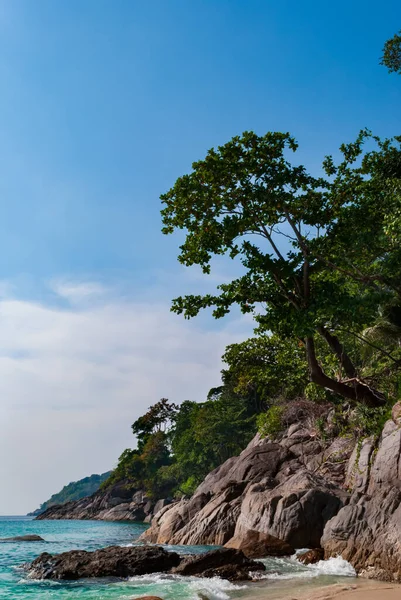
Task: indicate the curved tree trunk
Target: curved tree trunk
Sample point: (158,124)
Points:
(355,390)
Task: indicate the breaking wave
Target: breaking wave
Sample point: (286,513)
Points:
(291,568)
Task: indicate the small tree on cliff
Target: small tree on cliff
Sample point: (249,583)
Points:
(290,231)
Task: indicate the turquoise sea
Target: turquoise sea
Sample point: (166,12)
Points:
(283,576)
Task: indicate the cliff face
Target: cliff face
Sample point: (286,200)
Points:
(342,497)
(288,489)
(119,503)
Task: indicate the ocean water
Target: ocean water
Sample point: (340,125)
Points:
(283,576)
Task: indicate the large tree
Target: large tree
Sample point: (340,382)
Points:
(311,248)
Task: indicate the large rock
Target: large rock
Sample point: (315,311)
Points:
(127,562)
(255,544)
(367,532)
(295,511)
(227,563)
(108,562)
(386,467)
(273,488)
(210,516)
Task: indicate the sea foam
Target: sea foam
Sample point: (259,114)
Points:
(291,568)
(189,588)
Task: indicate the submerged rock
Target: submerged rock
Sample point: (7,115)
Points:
(23,538)
(108,562)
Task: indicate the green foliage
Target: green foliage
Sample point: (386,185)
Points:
(366,422)
(266,367)
(320,272)
(270,423)
(340,265)
(392,54)
(316,393)
(158,418)
(179,446)
(75,491)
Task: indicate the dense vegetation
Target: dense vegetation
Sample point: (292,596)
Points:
(75,491)
(319,270)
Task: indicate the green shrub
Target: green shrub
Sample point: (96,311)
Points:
(270,423)
(367,421)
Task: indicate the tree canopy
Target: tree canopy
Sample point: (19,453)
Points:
(317,259)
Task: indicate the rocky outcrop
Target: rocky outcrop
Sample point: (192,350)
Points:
(367,532)
(113,561)
(118,503)
(297,490)
(141,560)
(338,497)
(286,489)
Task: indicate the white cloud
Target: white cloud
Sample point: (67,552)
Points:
(76,292)
(73,379)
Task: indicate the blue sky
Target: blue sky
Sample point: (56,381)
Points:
(103,105)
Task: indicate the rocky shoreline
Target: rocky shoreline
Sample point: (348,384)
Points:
(118,503)
(303,489)
(341,496)
(116,561)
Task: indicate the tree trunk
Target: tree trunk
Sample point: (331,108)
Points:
(357,392)
(338,349)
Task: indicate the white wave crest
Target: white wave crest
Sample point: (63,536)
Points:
(291,568)
(190,587)
(334,566)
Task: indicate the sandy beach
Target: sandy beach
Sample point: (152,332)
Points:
(361,590)
(354,590)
